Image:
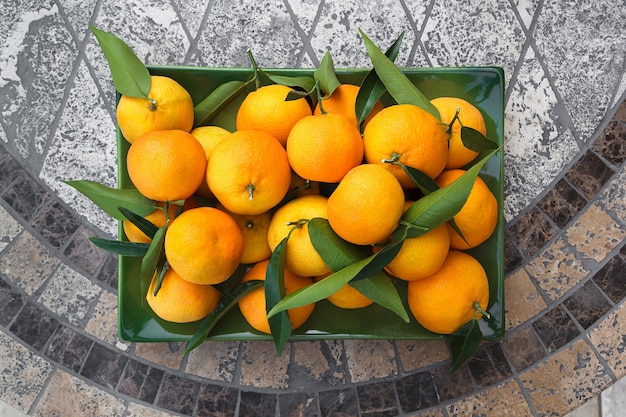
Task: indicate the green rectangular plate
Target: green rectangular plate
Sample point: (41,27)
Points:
(481,86)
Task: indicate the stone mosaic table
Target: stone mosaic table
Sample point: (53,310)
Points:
(565,211)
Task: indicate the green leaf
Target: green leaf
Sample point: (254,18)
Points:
(305,83)
(109,199)
(152,260)
(425,184)
(380,289)
(379,260)
(396,82)
(226,303)
(464,343)
(475,140)
(121,248)
(274,286)
(372,88)
(130,76)
(146,226)
(326,76)
(217,100)
(334,251)
(441,205)
(160,274)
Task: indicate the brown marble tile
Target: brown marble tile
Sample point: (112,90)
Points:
(216,401)
(562,203)
(25,196)
(318,362)
(140,381)
(502,400)
(68,348)
(169,355)
(261,367)
(488,366)
(416,391)
(589,174)
(56,224)
(611,144)
(178,394)
(10,169)
(512,257)
(298,404)
(11,302)
(370,359)
(595,234)
(613,198)
(608,339)
(108,272)
(611,278)
(566,380)
(416,354)
(451,385)
(377,399)
(83,252)
(34,326)
(214,360)
(531,232)
(104,366)
(523,348)
(339,403)
(103,320)
(522,300)
(557,269)
(555,328)
(257,404)
(621,112)
(587,304)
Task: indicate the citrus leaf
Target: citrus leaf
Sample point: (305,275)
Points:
(380,289)
(334,251)
(130,75)
(379,260)
(425,184)
(441,205)
(464,343)
(217,100)
(226,303)
(160,274)
(305,83)
(109,199)
(396,82)
(475,140)
(152,260)
(121,248)
(372,88)
(274,285)
(146,226)
(326,76)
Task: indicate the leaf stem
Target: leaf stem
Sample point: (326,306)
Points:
(320,98)
(479,310)
(255,68)
(454,119)
(394,159)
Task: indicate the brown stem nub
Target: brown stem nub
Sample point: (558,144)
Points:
(250,189)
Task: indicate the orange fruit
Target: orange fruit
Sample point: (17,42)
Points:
(169,107)
(301,257)
(300,187)
(421,256)
(181,301)
(254,229)
(208,136)
(366,205)
(166,165)
(248,172)
(444,302)
(157,218)
(343,101)
(468,115)
(253,306)
(324,147)
(347,296)
(409,135)
(267,110)
(204,245)
(478,217)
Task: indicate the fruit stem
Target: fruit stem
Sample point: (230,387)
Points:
(250,189)
(454,119)
(479,310)
(395,157)
(298,223)
(153,104)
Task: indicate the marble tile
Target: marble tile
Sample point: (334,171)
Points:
(589,174)
(216,401)
(566,380)
(538,143)
(299,404)
(489,366)
(416,391)
(611,144)
(10,169)
(587,304)
(37,57)
(178,394)
(304,12)
(317,362)
(27,263)
(338,31)
(378,399)
(613,197)
(78,13)
(25,196)
(504,399)
(69,294)
(108,274)
(522,300)
(216,360)
(24,374)
(169,355)
(34,326)
(56,224)
(68,347)
(595,234)
(83,147)
(233,28)
(557,269)
(261,367)
(531,232)
(66,395)
(555,329)
(512,256)
(140,410)
(613,399)
(523,348)
(11,302)
(370,359)
(608,339)
(589,409)
(193,12)
(581,45)
(460,34)
(527,10)
(416,354)
(104,366)
(340,402)
(82,252)
(620,114)
(9,228)
(451,385)
(102,322)
(562,203)
(257,404)
(611,279)
(140,381)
